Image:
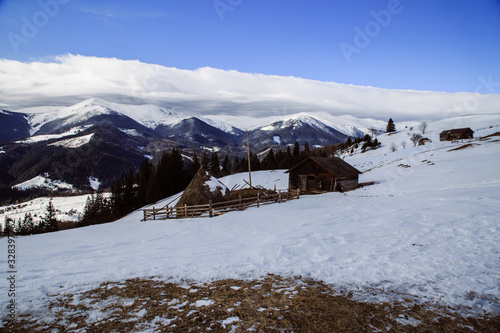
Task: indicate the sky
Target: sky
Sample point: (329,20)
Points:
(407,44)
(295,53)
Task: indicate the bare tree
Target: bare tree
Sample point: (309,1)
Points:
(422,127)
(415,137)
(403,144)
(394,147)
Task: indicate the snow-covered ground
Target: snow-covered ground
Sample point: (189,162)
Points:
(428,228)
(45,183)
(69,209)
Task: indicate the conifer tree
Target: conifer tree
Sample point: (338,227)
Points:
(27,225)
(226,166)
(296,153)
(214,164)
(269,162)
(205,160)
(8,227)
(143,180)
(236,165)
(390,126)
(193,168)
(153,193)
(49,220)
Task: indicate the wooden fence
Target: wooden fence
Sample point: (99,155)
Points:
(216,209)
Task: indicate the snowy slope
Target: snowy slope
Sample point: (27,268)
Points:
(428,228)
(68,208)
(45,183)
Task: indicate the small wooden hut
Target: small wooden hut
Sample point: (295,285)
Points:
(456,134)
(323,174)
(423,141)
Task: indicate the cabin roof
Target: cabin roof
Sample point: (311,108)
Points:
(335,165)
(457,131)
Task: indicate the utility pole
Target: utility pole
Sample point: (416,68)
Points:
(249,170)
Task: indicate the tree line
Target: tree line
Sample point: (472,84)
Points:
(27,226)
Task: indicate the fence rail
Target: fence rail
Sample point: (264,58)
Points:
(219,208)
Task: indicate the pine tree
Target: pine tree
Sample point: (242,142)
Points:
(205,160)
(296,153)
(19,228)
(254,162)
(193,168)
(390,126)
(143,180)
(49,220)
(153,193)
(8,227)
(214,164)
(28,226)
(269,162)
(236,165)
(226,166)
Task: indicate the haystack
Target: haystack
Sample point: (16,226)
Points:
(203,188)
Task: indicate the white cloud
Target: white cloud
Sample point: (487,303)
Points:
(71,78)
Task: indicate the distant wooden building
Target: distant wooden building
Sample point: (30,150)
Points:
(323,174)
(456,134)
(423,141)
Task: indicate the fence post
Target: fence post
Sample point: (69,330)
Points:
(185,210)
(298,193)
(210,208)
(144,211)
(154,213)
(279,197)
(258,199)
(239,197)
(167,212)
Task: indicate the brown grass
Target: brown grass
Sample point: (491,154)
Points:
(469,145)
(490,136)
(271,304)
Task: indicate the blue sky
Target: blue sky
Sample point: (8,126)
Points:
(431,45)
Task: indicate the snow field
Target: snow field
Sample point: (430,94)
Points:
(70,208)
(427,229)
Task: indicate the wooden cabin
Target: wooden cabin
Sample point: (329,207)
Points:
(423,141)
(456,134)
(323,174)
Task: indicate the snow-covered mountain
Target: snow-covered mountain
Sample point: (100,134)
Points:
(156,121)
(13,125)
(300,128)
(103,139)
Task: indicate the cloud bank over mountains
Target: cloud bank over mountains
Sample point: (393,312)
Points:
(68,79)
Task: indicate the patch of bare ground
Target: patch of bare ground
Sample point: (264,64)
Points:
(468,145)
(490,136)
(270,304)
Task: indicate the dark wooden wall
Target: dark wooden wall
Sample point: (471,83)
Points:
(319,179)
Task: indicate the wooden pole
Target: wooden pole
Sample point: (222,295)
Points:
(210,208)
(249,169)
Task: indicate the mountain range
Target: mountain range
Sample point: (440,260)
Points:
(101,139)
